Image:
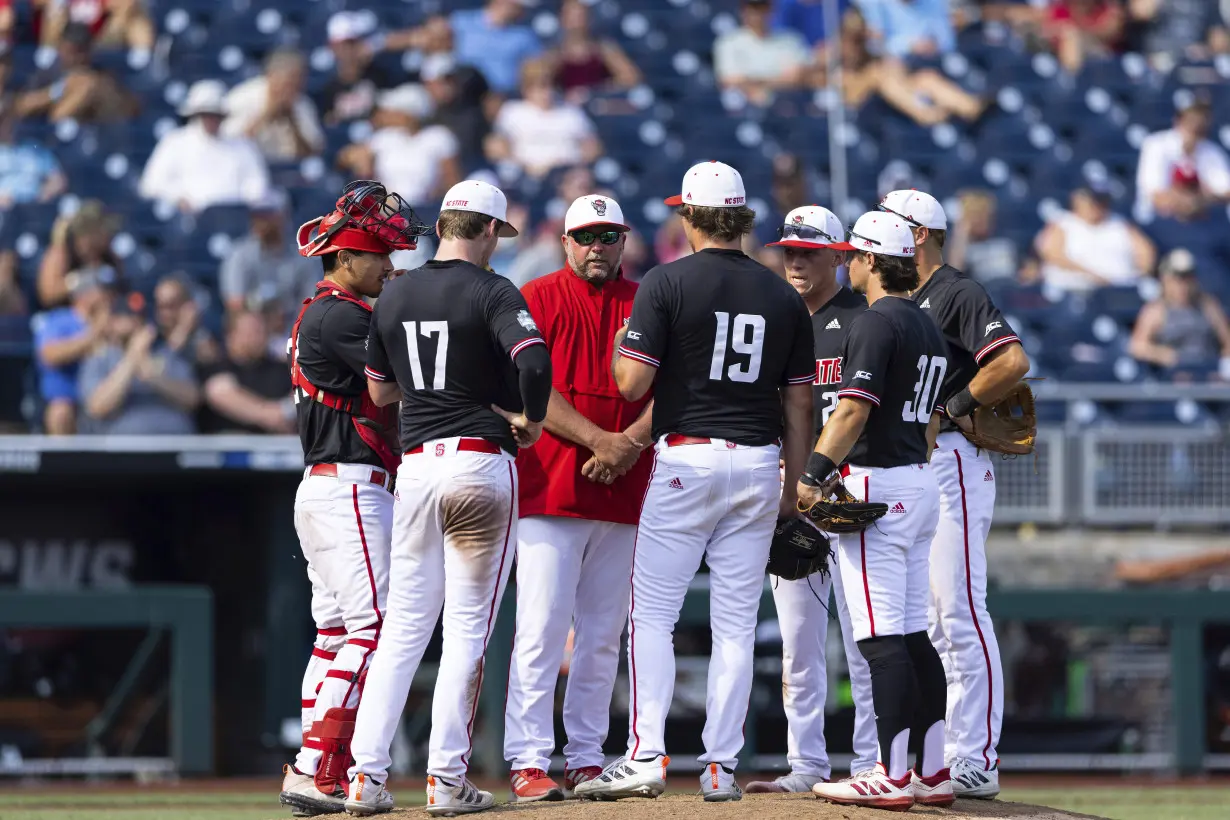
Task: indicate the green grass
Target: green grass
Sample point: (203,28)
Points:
(1117,803)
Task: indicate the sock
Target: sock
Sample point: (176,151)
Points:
(927,727)
(894,693)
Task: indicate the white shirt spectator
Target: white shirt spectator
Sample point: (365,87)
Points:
(544,138)
(1104,248)
(410,163)
(193,167)
(746,55)
(1163,164)
(246,103)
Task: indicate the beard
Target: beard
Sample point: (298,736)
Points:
(596,270)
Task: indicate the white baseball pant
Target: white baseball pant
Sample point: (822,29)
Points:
(344,525)
(569,570)
(961,627)
(454,534)
(717,501)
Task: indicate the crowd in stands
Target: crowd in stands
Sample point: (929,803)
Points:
(156,157)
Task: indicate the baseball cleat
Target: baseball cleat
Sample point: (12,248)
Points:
(627,778)
(717,784)
(445,799)
(935,790)
(574,777)
(368,797)
(305,800)
(531,785)
(875,790)
(786,784)
(971,780)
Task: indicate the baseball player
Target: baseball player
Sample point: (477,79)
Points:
(574,541)
(806,240)
(985,361)
(344,506)
(729,343)
(457,345)
(883,428)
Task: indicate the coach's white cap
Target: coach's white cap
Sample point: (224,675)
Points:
(880,232)
(592,210)
(480,198)
(919,209)
(810,227)
(711,185)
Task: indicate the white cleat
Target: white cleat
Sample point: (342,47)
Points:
(305,800)
(446,799)
(971,780)
(717,784)
(935,790)
(875,790)
(626,778)
(786,784)
(368,797)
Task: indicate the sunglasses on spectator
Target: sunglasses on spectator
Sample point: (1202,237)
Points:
(913,222)
(806,232)
(588,237)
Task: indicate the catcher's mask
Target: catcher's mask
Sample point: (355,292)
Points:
(367,218)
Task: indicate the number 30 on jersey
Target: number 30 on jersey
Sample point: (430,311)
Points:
(931,370)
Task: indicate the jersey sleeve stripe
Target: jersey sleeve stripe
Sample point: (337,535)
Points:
(808,379)
(374,376)
(636,355)
(859,394)
(522,345)
(995,345)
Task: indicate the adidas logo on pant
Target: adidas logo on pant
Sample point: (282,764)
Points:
(898,509)
(675,484)
(988,476)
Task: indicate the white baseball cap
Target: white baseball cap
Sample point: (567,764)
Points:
(350,25)
(480,198)
(711,185)
(592,210)
(917,208)
(436,66)
(881,233)
(410,98)
(810,227)
(204,97)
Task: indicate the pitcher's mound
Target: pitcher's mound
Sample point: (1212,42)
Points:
(761,807)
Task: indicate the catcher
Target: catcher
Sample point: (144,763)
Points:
(990,411)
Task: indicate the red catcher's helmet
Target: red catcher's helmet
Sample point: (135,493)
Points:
(368,218)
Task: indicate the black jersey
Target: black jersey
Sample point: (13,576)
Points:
(726,333)
(830,324)
(895,358)
(448,332)
(971,324)
(332,352)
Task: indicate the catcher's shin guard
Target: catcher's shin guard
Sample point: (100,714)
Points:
(331,736)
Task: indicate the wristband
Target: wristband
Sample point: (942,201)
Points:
(819,467)
(961,404)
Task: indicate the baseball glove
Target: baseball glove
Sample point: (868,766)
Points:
(1010,425)
(798,550)
(844,513)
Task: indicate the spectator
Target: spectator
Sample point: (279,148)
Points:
(28,171)
(909,28)
(1182,174)
(351,92)
(273,111)
(263,270)
(582,63)
(973,246)
(540,132)
(135,385)
(492,40)
(758,61)
(420,163)
(1183,327)
(1079,29)
(789,191)
(12,300)
(671,242)
(111,23)
(80,242)
(249,391)
(1171,31)
(71,88)
(807,17)
(194,166)
(63,337)
(1090,247)
(177,317)
(457,93)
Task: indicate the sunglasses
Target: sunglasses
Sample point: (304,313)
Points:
(806,232)
(850,234)
(588,237)
(913,222)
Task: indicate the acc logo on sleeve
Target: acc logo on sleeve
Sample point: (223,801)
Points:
(992,326)
(862,374)
(526,320)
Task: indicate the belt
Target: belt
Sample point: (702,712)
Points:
(379,477)
(469,445)
(675,440)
